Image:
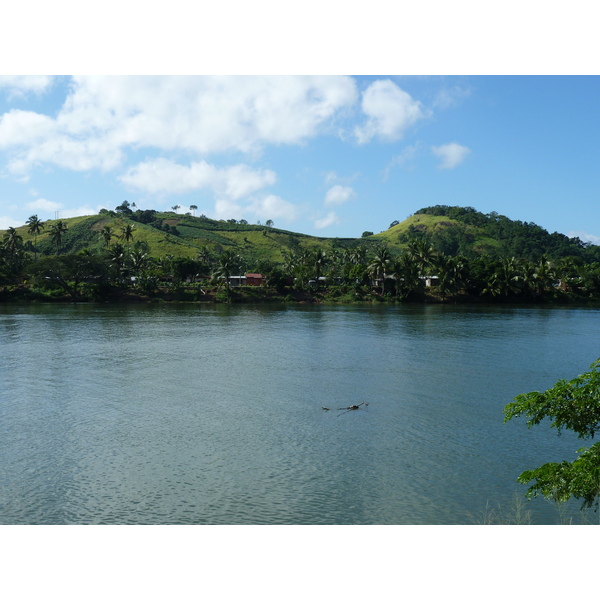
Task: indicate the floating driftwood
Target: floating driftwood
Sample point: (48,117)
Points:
(349,408)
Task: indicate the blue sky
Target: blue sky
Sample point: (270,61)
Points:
(325,155)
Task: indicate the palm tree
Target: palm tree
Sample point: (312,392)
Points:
(567,273)
(527,275)
(193,209)
(506,279)
(451,272)
(107,233)
(165,265)
(117,259)
(13,241)
(289,263)
(35,227)
(57,232)
(205,258)
(545,276)
(204,254)
(422,253)
(407,275)
(127,233)
(176,207)
(303,266)
(12,255)
(227,264)
(319,259)
(359,255)
(138,261)
(380,265)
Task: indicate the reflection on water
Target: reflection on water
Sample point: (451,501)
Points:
(213,415)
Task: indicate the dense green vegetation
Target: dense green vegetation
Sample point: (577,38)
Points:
(456,230)
(573,405)
(440,253)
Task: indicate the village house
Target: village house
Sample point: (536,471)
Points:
(247,279)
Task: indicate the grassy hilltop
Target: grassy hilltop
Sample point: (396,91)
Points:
(182,236)
(451,230)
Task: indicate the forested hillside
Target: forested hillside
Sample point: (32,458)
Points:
(440,253)
(456,230)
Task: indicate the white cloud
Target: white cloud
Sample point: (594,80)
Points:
(403,159)
(6,222)
(451,154)
(331,177)
(226,209)
(240,180)
(44,205)
(339,194)
(21,84)
(450,97)
(274,208)
(165,177)
(330,219)
(80,211)
(22,128)
(104,116)
(263,208)
(34,139)
(389,110)
(585,237)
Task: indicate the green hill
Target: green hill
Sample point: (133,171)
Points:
(446,234)
(451,230)
(181,236)
(465,231)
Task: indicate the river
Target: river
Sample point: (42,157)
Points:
(189,414)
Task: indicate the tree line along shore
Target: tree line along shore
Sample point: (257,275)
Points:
(440,254)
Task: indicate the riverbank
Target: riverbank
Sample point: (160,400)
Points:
(260,295)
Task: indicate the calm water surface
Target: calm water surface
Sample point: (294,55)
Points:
(184,414)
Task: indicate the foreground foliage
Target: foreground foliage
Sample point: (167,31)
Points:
(572,405)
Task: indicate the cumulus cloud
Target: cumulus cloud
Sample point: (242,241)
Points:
(389,111)
(18,85)
(330,219)
(274,208)
(451,155)
(104,116)
(339,194)
(44,205)
(241,180)
(163,176)
(22,128)
(263,208)
(35,139)
(227,209)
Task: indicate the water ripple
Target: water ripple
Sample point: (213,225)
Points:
(150,415)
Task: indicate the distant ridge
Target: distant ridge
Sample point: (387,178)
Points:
(453,230)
